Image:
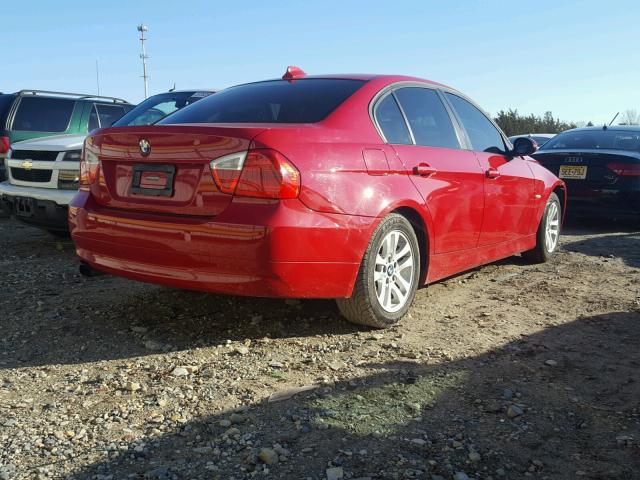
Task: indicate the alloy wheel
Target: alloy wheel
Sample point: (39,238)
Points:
(394,271)
(552,227)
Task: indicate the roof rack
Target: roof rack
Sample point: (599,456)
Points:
(79,96)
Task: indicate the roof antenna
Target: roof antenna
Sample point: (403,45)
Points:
(174,87)
(614,118)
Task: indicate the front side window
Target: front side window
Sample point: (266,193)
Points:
(108,114)
(427,117)
(93,119)
(40,114)
(483,135)
(392,122)
(278,101)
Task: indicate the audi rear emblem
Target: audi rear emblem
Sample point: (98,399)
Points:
(145,147)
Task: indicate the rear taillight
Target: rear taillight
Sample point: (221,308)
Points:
(89,167)
(259,173)
(625,169)
(4,144)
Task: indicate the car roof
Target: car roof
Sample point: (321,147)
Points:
(360,76)
(187,90)
(624,128)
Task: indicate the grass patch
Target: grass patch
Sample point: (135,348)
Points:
(380,410)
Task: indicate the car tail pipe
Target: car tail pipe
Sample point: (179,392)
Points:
(87,270)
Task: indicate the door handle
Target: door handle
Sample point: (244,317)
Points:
(424,170)
(492,173)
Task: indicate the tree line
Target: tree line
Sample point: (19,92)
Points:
(513,123)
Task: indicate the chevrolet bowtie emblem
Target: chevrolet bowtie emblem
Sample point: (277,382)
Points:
(27,164)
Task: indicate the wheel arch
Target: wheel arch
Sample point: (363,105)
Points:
(560,189)
(422,233)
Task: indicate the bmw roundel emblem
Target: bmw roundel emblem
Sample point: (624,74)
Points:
(145,147)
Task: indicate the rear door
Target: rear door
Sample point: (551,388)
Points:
(449,178)
(508,183)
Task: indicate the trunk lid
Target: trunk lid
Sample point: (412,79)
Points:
(596,173)
(174,176)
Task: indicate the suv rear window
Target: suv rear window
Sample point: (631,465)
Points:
(40,114)
(595,139)
(277,101)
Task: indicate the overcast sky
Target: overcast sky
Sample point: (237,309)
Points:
(579,59)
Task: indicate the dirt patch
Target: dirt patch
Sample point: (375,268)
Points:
(508,371)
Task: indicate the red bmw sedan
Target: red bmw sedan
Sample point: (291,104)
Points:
(355,187)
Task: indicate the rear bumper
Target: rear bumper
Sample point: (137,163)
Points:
(275,249)
(42,207)
(604,202)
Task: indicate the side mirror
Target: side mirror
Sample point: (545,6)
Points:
(523,146)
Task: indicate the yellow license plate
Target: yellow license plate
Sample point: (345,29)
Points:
(574,172)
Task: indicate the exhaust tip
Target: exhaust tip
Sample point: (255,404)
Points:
(87,271)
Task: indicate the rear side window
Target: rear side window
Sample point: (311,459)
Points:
(278,101)
(39,114)
(392,122)
(428,117)
(482,133)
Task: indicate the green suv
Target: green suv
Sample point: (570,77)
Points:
(36,113)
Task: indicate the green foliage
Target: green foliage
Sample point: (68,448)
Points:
(512,123)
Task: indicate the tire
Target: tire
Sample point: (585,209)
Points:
(380,278)
(551,219)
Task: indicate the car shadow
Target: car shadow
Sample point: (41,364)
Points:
(592,226)
(623,245)
(127,319)
(549,405)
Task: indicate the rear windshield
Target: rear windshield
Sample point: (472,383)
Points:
(6,101)
(41,114)
(159,106)
(595,139)
(277,101)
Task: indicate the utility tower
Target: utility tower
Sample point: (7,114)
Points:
(143,28)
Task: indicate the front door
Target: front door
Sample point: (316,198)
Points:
(508,183)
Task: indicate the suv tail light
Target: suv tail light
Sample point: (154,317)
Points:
(89,166)
(4,144)
(625,169)
(259,173)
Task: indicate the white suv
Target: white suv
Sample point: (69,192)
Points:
(43,174)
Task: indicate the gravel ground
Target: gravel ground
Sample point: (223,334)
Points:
(508,371)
